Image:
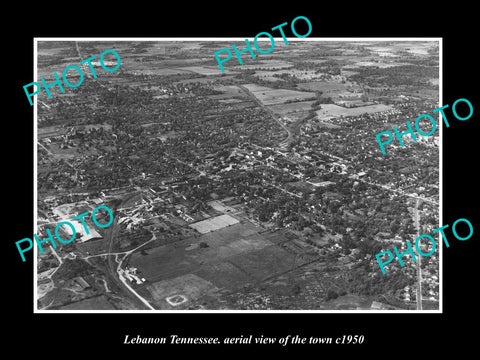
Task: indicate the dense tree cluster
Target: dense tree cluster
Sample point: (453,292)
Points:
(411,75)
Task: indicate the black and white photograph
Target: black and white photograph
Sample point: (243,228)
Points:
(260,187)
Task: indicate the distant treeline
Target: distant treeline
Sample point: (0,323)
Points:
(413,75)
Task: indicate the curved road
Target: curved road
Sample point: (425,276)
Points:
(116,270)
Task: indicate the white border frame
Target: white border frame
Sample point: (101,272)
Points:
(228,39)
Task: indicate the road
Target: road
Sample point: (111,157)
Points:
(399,192)
(270,112)
(416,223)
(38,143)
(60,260)
(78,51)
(281,189)
(120,272)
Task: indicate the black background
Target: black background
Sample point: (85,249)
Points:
(103,334)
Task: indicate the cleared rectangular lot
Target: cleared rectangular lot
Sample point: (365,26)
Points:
(164,262)
(224,275)
(215,223)
(269,96)
(227,250)
(284,109)
(172,260)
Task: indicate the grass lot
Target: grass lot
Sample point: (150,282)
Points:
(234,248)
(265,64)
(161,71)
(93,246)
(382,65)
(329,88)
(329,111)
(270,96)
(224,275)
(207,70)
(284,109)
(180,258)
(265,262)
(230,259)
(228,91)
(164,262)
(295,116)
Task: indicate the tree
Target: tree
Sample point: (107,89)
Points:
(395,226)
(331,294)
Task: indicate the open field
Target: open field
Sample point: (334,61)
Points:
(50,131)
(265,262)
(240,246)
(230,233)
(219,206)
(164,262)
(265,64)
(270,96)
(329,111)
(295,116)
(229,91)
(180,258)
(206,70)
(229,259)
(284,109)
(160,71)
(383,51)
(380,64)
(328,88)
(224,275)
(93,246)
